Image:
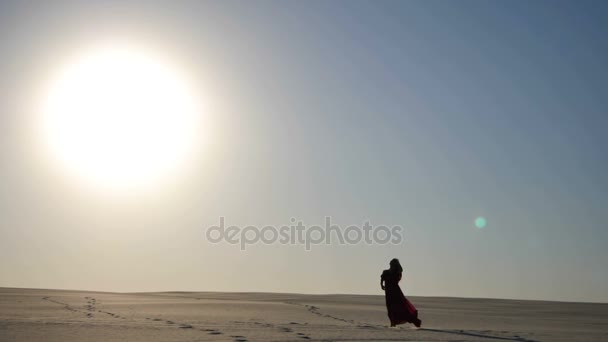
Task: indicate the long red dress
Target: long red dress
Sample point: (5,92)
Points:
(400,310)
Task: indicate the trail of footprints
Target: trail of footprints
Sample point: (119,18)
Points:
(316,311)
(284,329)
(65,305)
(281,328)
(264,325)
(90,310)
(210,331)
(90,307)
(168,322)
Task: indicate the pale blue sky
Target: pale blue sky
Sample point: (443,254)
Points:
(425,114)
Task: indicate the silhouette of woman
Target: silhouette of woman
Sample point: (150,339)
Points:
(400,310)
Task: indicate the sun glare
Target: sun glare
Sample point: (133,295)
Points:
(120,118)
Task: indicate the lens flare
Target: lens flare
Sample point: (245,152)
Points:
(480,222)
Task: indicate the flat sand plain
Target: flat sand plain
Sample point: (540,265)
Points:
(58,315)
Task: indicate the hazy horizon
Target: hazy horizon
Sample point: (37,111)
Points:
(421,114)
(293,293)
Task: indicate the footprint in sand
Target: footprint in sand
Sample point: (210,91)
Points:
(367,327)
(212,331)
(239,338)
(265,325)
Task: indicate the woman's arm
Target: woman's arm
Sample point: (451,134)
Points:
(382,281)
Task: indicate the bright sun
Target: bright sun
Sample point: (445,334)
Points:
(120,118)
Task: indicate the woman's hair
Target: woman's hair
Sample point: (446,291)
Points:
(396,266)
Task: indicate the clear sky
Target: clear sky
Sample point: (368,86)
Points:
(425,114)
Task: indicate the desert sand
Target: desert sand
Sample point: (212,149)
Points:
(58,315)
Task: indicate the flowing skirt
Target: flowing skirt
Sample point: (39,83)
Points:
(400,309)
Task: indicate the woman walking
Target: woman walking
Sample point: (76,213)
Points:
(400,310)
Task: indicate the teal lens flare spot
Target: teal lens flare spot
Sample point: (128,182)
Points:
(480,222)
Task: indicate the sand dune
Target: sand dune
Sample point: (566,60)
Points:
(55,315)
